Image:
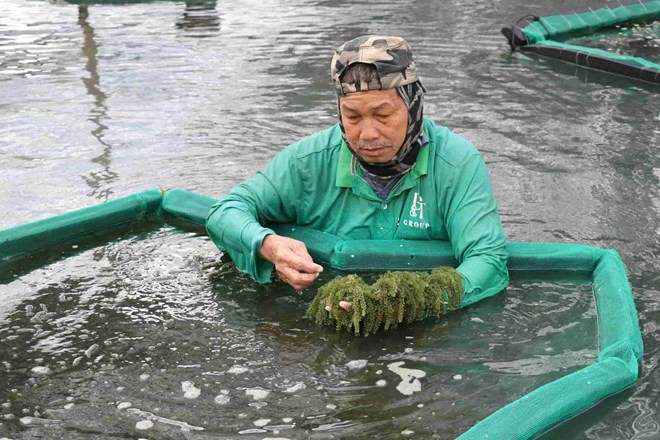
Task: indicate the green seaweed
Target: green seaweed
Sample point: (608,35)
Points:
(394,298)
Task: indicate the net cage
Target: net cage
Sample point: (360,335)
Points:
(619,37)
(543,409)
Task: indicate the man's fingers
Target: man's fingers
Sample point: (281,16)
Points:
(294,276)
(303,266)
(298,263)
(296,279)
(300,284)
(344,305)
(286,252)
(304,262)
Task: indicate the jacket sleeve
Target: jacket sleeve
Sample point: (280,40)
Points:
(475,231)
(235,222)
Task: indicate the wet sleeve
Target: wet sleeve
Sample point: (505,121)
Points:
(235,222)
(476,233)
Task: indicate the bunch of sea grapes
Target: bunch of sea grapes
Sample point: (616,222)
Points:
(394,298)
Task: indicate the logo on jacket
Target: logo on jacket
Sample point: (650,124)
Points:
(417,207)
(417,212)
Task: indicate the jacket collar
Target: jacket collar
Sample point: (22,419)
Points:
(344,178)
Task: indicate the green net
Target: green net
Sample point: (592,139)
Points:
(620,342)
(560,26)
(576,52)
(43,234)
(619,37)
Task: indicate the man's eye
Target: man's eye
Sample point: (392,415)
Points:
(352,117)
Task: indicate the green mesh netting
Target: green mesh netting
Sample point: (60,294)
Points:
(64,228)
(563,37)
(576,52)
(558,26)
(620,342)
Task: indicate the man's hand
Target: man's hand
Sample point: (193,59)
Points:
(292,262)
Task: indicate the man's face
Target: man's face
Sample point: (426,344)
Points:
(375,123)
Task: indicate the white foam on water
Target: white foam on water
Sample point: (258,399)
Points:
(40,371)
(287,419)
(261,423)
(457,377)
(407,432)
(150,416)
(221,399)
(275,429)
(357,364)
(252,431)
(69,405)
(409,378)
(124,405)
(257,393)
(237,369)
(190,391)
(297,387)
(381,383)
(144,377)
(91,350)
(144,425)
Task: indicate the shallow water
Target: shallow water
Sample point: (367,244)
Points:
(199,96)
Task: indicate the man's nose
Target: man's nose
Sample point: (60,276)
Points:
(368,131)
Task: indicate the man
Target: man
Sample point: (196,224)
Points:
(382,172)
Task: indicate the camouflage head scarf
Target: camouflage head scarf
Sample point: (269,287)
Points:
(392,58)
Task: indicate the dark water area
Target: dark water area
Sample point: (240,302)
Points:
(155,335)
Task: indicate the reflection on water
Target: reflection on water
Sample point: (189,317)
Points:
(159,330)
(99,181)
(200,19)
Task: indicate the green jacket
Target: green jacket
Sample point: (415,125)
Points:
(446,196)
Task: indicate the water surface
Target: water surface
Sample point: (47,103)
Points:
(120,98)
